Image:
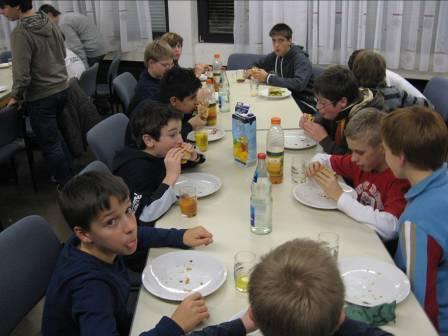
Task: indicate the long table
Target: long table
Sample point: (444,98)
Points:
(263,108)
(5,80)
(226,215)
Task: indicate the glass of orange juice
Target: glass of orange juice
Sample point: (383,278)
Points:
(188,201)
(201,138)
(243,264)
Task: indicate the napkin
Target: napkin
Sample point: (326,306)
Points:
(375,316)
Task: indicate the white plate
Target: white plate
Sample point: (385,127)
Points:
(4,65)
(175,275)
(240,315)
(296,139)
(264,92)
(3,88)
(206,184)
(214,133)
(312,195)
(369,282)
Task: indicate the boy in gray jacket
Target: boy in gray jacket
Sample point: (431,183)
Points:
(287,66)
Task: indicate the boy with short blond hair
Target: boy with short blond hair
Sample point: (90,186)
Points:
(296,289)
(416,146)
(380,195)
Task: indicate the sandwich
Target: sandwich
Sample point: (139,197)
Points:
(324,169)
(308,117)
(186,154)
(275,91)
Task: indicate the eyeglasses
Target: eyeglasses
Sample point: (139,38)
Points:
(166,65)
(322,105)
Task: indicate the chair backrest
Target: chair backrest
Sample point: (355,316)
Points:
(242,61)
(95,166)
(107,137)
(5,56)
(124,86)
(10,125)
(87,81)
(28,253)
(437,92)
(317,70)
(112,72)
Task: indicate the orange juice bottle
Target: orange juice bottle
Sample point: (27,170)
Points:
(275,149)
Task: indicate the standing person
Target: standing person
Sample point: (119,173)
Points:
(82,37)
(287,66)
(416,144)
(35,44)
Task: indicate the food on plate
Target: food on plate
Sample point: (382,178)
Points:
(308,117)
(187,153)
(275,91)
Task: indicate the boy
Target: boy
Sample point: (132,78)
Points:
(380,199)
(151,170)
(35,44)
(338,99)
(416,143)
(89,288)
(287,66)
(296,289)
(158,59)
(369,69)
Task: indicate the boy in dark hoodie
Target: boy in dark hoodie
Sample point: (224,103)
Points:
(36,43)
(338,99)
(287,66)
(89,288)
(151,170)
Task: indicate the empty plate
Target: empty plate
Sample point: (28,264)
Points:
(214,133)
(296,139)
(264,92)
(312,195)
(3,88)
(175,275)
(369,282)
(4,65)
(206,184)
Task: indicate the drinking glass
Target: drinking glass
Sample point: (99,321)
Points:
(188,201)
(254,87)
(331,242)
(244,262)
(201,138)
(240,76)
(298,169)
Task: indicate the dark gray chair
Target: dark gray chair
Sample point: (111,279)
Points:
(107,137)
(97,166)
(112,72)
(28,253)
(5,56)
(87,81)
(242,61)
(317,70)
(436,90)
(10,132)
(124,86)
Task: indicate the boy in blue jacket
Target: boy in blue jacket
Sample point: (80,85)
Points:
(89,289)
(416,144)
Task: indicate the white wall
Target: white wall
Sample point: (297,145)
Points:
(183,17)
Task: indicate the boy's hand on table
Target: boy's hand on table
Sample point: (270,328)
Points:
(329,183)
(172,165)
(197,236)
(191,311)
(313,130)
(248,321)
(197,122)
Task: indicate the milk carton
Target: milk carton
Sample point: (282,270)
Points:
(244,132)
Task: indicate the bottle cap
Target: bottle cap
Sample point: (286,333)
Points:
(261,156)
(216,55)
(276,120)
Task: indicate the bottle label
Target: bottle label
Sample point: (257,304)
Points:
(274,163)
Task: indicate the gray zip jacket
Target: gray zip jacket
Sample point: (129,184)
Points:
(38,59)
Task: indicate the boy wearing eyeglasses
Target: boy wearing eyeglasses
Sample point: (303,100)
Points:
(338,99)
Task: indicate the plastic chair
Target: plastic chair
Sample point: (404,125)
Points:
(107,137)
(124,86)
(436,91)
(28,253)
(10,132)
(242,61)
(317,70)
(5,56)
(87,81)
(112,72)
(96,166)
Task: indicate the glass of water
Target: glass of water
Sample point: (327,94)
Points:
(331,241)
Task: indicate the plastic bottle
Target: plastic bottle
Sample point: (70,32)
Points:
(224,95)
(275,149)
(261,199)
(217,72)
(212,105)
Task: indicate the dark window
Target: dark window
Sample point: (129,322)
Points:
(215,21)
(159,17)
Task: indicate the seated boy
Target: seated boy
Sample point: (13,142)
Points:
(416,144)
(369,69)
(287,66)
(296,289)
(338,99)
(158,58)
(151,170)
(89,289)
(380,199)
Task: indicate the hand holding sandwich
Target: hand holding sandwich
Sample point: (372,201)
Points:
(326,178)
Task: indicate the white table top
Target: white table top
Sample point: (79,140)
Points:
(6,80)
(226,215)
(263,108)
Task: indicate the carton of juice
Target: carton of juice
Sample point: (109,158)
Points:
(244,132)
